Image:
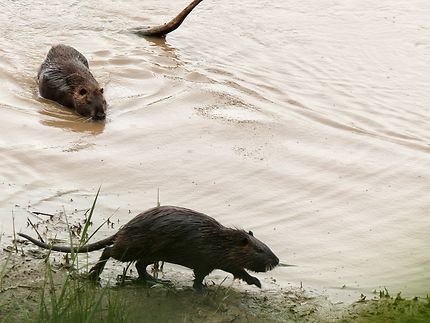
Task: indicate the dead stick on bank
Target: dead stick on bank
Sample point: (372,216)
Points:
(42,213)
(37,232)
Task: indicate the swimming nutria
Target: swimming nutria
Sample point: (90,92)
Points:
(184,237)
(162,30)
(65,77)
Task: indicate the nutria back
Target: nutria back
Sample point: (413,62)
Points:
(192,239)
(64,77)
(188,238)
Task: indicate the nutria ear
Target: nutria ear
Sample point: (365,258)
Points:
(83,91)
(250,233)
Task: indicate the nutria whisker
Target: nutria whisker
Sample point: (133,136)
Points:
(269,267)
(184,237)
(83,119)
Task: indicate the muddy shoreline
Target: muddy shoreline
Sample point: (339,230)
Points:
(24,273)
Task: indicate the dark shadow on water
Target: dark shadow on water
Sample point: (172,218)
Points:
(168,50)
(157,43)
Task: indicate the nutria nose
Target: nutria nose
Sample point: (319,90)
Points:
(99,116)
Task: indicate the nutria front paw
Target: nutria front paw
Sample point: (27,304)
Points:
(198,286)
(254,281)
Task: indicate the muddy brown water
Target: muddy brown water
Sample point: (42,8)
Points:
(303,121)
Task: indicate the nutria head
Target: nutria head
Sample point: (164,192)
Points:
(90,102)
(86,94)
(251,253)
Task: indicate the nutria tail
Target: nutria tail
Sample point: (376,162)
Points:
(87,248)
(162,30)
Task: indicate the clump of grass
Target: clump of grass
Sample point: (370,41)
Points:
(77,300)
(388,308)
(3,270)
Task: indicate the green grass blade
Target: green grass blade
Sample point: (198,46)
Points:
(87,223)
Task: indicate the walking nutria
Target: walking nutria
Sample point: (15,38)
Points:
(65,77)
(184,237)
(162,30)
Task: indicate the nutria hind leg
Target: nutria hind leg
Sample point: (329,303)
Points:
(250,280)
(141,265)
(100,265)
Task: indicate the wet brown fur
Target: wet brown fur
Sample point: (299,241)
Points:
(64,77)
(185,237)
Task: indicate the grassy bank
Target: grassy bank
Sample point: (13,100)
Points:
(37,286)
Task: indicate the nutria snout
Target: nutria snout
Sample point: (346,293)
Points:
(184,237)
(91,103)
(64,77)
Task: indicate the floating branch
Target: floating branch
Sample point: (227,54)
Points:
(162,30)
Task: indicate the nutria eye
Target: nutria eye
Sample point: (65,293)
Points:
(83,91)
(101,90)
(244,241)
(250,233)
